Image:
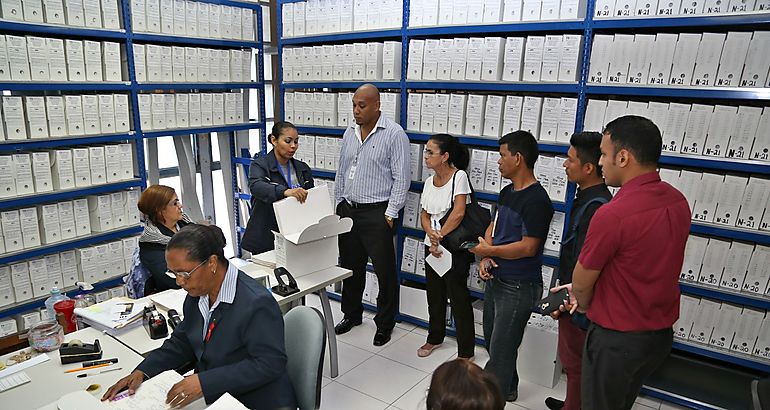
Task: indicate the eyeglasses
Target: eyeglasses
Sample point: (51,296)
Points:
(186,275)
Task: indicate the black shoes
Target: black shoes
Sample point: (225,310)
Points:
(382,336)
(512,396)
(553,404)
(345,325)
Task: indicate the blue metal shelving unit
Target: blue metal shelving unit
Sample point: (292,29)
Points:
(339,37)
(36,199)
(126,37)
(582,90)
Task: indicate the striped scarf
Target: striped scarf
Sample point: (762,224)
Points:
(152,233)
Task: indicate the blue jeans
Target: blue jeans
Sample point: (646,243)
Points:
(507,308)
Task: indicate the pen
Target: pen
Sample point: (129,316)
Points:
(87,368)
(103,371)
(94,363)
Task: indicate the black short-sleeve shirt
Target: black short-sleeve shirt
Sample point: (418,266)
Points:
(522,213)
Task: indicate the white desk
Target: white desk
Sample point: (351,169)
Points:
(139,341)
(49,382)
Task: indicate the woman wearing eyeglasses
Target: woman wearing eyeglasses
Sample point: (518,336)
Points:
(273,177)
(163,217)
(232,332)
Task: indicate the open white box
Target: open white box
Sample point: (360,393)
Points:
(307,241)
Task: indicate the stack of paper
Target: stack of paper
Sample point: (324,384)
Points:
(113,315)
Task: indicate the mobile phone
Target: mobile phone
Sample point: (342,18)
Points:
(551,303)
(468,245)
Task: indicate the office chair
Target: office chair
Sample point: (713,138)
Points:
(305,336)
(760,394)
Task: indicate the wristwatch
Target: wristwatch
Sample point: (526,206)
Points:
(389,219)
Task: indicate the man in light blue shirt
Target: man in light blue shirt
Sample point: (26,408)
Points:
(370,188)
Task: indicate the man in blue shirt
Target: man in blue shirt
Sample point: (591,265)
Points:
(370,188)
(512,252)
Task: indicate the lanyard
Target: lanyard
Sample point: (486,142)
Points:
(287,175)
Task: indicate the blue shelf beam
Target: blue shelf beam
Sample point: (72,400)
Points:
(552,148)
(36,199)
(21,145)
(67,245)
(196,86)
(550,26)
(756,301)
(60,30)
(204,130)
(736,19)
(320,130)
(762,238)
(215,42)
(562,88)
(727,356)
(323,174)
(343,84)
(69,86)
(681,92)
(716,163)
(338,37)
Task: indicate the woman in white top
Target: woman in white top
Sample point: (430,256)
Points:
(441,214)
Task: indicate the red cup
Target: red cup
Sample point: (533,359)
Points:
(67,308)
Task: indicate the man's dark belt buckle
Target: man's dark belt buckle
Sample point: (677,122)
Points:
(356,205)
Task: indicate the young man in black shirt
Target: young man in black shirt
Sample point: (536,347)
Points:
(582,168)
(512,249)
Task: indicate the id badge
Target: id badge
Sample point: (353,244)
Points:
(352,172)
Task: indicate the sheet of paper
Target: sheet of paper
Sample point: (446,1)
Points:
(441,264)
(151,395)
(172,299)
(40,358)
(227,402)
(293,216)
(16,379)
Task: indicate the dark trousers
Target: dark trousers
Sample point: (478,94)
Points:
(615,365)
(453,285)
(507,308)
(371,237)
(571,342)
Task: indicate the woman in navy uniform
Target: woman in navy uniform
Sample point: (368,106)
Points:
(273,177)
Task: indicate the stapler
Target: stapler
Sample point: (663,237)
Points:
(77,351)
(154,323)
(282,288)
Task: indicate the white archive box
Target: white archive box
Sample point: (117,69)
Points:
(307,241)
(7,177)
(747,330)
(67,225)
(25,182)
(100,213)
(688,307)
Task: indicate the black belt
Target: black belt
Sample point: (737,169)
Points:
(356,205)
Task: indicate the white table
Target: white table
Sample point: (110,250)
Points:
(139,341)
(49,382)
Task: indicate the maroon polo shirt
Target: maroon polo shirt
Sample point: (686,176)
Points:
(637,241)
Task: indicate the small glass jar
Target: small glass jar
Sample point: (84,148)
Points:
(91,299)
(46,336)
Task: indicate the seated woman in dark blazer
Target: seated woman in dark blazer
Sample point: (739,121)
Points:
(272,177)
(163,217)
(232,332)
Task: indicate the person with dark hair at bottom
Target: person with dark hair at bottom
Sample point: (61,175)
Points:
(582,168)
(627,275)
(462,385)
(273,177)
(163,217)
(370,188)
(443,201)
(232,332)
(513,257)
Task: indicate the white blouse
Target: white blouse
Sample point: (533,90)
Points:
(437,200)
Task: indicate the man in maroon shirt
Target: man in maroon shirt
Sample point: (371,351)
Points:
(627,275)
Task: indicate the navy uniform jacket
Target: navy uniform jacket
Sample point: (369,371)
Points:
(245,355)
(266,184)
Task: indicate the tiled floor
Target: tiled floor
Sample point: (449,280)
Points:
(392,377)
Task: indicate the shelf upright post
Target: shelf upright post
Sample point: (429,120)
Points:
(279,44)
(133,93)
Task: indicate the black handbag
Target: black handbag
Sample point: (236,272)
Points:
(474,224)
